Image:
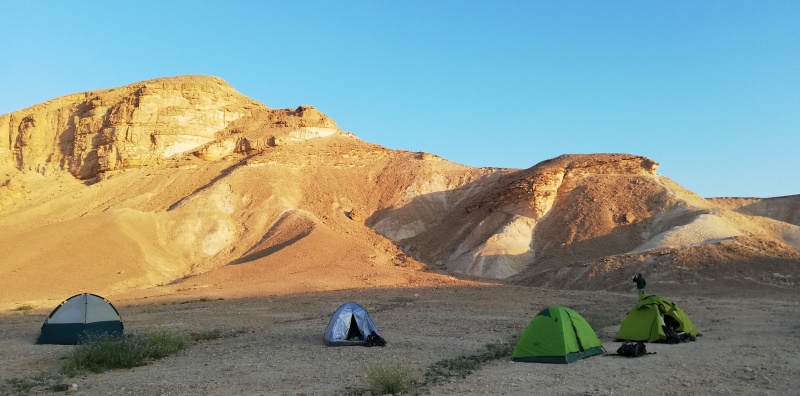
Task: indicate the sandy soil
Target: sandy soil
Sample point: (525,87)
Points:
(747,344)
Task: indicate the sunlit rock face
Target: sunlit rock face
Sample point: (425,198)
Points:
(132,126)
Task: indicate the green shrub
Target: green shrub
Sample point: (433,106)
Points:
(162,343)
(462,366)
(392,378)
(103,353)
(24,386)
(202,299)
(24,308)
(206,335)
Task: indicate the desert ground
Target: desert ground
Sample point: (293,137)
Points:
(273,345)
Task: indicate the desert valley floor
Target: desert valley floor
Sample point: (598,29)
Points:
(274,344)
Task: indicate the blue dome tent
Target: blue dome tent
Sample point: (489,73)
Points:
(349,325)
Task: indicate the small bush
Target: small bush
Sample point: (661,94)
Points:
(392,378)
(162,343)
(24,308)
(199,300)
(206,335)
(462,366)
(59,388)
(24,386)
(103,353)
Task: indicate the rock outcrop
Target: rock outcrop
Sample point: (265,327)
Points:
(132,126)
(544,224)
(90,133)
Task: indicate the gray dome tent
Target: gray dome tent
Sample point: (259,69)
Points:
(80,316)
(349,325)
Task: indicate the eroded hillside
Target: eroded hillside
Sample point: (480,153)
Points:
(183,183)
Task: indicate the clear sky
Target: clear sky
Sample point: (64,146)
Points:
(709,89)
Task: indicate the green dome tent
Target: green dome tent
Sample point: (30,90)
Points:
(557,335)
(80,316)
(644,322)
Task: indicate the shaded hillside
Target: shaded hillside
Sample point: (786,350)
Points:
(785,209)
(560,223)
(183,183)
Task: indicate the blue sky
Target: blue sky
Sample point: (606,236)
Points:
(710,90)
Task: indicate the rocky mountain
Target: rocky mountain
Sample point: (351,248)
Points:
(179,183)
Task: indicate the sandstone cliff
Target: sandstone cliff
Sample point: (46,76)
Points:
(90,133)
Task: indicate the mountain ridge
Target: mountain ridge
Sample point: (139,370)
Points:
(205,189)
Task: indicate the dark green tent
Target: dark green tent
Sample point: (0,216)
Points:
(78,317)
(644,321)
(557,335)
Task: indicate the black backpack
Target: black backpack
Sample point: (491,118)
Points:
(375,340)
(632,349)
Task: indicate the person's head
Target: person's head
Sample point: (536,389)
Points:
(639,275)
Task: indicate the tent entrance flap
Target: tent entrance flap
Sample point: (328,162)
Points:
(645,322)
(354,333)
